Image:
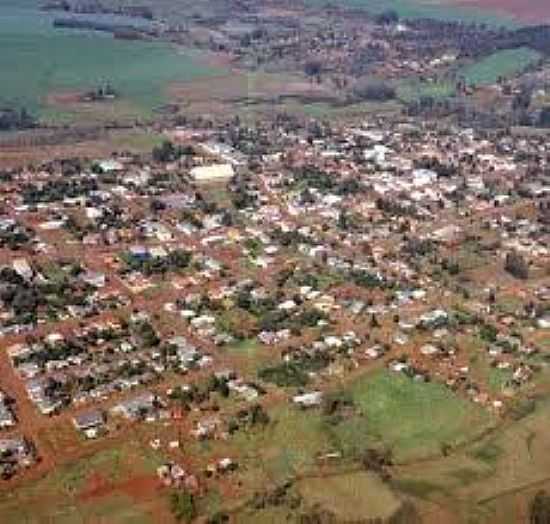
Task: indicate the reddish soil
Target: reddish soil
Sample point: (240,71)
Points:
(96,486)
(139,488)
(532,11)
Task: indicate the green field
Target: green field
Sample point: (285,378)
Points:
(505,64)
(414,419)
(37,59)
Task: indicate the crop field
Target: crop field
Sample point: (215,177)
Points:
(442,9)
(500,64)
(139,71)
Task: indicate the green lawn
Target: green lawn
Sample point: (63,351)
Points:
(505,64)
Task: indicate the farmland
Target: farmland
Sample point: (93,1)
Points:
(441,9)
(139,71)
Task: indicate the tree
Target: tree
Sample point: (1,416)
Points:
(182,505)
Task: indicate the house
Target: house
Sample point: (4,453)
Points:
(89,422)
(137,407)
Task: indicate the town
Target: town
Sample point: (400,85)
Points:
(239,274)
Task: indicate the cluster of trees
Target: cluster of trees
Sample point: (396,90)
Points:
(434,164)
(241,196)
(294,372)
(387,17)
(367,279)
(374,91)
(395,208)
(168,152)
(311,177)
(516,265)
(145,333)
(14,237)
(177,260)
(418,247)
(11,119)
(251,417)
(55,190)
(286,374)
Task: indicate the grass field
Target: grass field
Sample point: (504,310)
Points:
(500,64)
(414,419)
